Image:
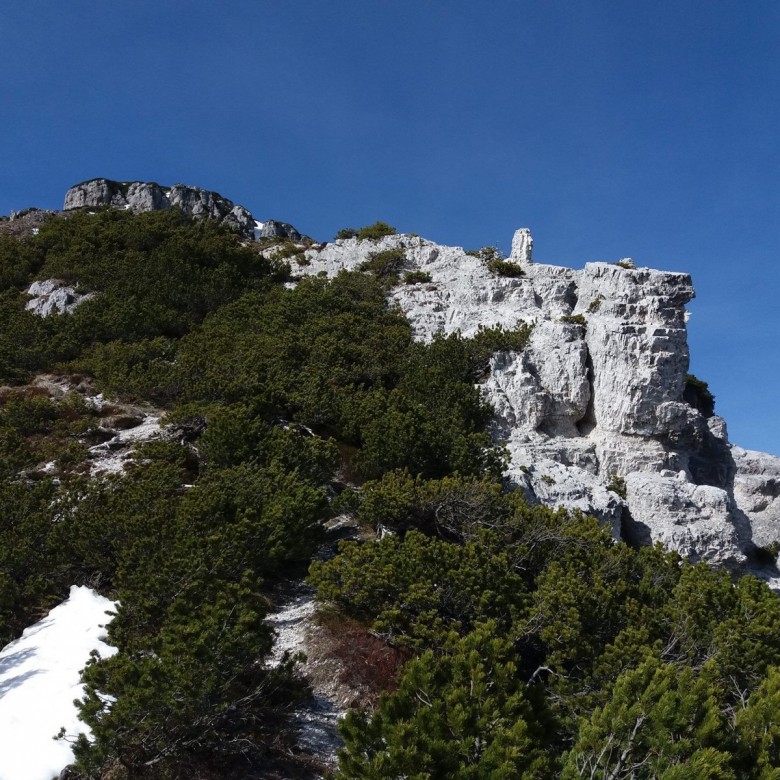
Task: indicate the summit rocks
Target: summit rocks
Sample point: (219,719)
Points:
(149,196)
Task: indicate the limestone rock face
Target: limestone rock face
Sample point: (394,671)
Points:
(145,196)
(756,487)
(53,297)
(522,246)
(148,196)
(699,521)
(596,395)
(97,192)
(638,344)
(273,229)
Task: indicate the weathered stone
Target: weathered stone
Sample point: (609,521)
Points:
(637,342)
(699,521)
(522,246)
(96,192)
(583,404)
(149,196)
(53,297)
(146,196)
(273,229)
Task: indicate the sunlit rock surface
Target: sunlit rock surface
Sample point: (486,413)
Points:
(139,196)
(593,408)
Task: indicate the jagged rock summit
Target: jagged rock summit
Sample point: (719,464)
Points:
(141,196)
(593,410)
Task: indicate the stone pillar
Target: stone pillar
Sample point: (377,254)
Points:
(522,246)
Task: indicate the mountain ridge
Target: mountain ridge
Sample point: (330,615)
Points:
(597,399)
(449,442)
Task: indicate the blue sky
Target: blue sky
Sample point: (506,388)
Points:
(611,129)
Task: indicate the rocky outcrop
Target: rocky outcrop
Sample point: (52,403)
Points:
(96,192)
(140,196)
(271,228)
(52,296)
(522,246)
(592,411)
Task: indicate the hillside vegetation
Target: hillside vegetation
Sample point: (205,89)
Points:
(534,645)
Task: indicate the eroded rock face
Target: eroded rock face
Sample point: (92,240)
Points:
(271,228)
(597,394)
(148,196)
(522,246)
(52,296)
(638,344)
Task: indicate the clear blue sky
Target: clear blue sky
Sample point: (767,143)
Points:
(611,129)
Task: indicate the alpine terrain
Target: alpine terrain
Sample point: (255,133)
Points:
(372,507)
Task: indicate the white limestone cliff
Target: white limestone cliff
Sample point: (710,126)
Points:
(593,408)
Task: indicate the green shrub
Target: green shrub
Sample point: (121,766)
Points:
(417,277)
(505,268)
(466,714)
(697,393)
(139,370)
(288,250)
(573,319)
(595,304)
(381,583)
(617,485)
(486,253)
(377,230)
(19,259)
(345,233)
(496,263)
(386,265)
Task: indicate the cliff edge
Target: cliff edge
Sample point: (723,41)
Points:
(593,410)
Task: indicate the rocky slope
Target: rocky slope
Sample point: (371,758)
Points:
(593,411)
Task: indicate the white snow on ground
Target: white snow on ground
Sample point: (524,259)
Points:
(110,456)
(39,679)
(258,229)
(290,624)
(316,721)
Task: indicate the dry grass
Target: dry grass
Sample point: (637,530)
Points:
(346,659)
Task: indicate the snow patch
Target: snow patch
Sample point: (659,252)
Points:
(290,623)
(39,679)
(316,722)
(258,229)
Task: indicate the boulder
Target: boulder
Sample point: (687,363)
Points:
(52,296)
